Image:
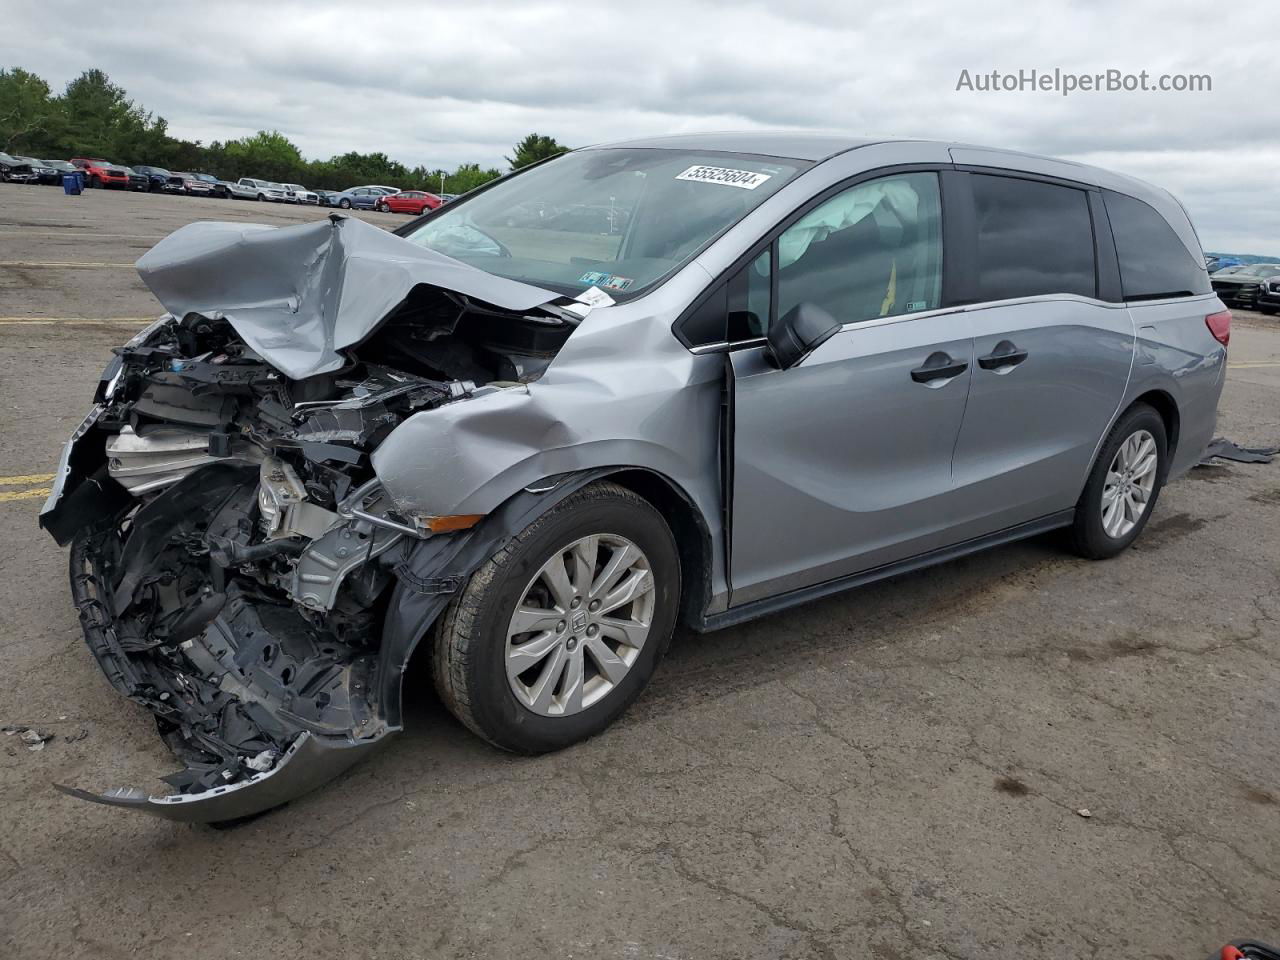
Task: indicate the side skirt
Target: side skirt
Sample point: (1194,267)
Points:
(768,605)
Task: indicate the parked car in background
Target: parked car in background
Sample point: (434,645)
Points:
(806,364)
(1242,286)
(238,190)
(1214,263)
(323,197)
(1268,300)
(263,189)
(297,193)
(189,184)
(13,170)
(217,188)
(102,173)
(447,197)
(157,177)
(364,198)
(416,202)
(64,167)
(137,181)
(44,173)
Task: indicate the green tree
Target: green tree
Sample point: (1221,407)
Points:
(533,148)
(28,115)
(468,176)
(96,112)
(268,154)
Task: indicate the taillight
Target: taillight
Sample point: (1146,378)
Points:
(1219,325)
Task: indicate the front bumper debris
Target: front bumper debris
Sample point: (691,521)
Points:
(309,762)
(260,703)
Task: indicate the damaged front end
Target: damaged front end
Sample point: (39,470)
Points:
(233,556)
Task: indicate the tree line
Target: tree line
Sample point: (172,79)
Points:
(94,117)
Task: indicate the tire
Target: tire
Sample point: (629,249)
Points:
(1268,311)
(261,198)
(1089,534)
(383,208)
(344,203)
(95,183)
(471,638)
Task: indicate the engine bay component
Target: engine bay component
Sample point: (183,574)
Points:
(233,551)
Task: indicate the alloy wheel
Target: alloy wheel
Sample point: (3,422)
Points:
(580,625)
(1130,480)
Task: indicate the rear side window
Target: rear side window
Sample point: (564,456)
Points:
(1154,262)
(1033,238)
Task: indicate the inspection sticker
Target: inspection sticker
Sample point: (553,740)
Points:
(745,179)
(612,281)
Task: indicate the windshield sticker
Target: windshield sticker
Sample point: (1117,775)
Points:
(745,179)
(595,278)
(588,298)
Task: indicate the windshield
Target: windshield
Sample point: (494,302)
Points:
(620,219)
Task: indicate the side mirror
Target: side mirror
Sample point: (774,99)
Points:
(798,332)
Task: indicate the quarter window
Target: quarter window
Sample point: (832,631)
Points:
(1033,238)
(749,297)
(1154,262)
(873,250)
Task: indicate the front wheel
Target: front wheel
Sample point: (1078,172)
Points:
(383,208)
(556,635)
(1123,486)
(344,203)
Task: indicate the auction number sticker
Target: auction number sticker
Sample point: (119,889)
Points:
(744,179)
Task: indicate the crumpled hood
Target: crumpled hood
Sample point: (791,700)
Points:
(298,295)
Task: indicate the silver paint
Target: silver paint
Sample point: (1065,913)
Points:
(299,295)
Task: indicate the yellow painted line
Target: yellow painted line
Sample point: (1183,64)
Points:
(59,263)
(10,495)
(23,481)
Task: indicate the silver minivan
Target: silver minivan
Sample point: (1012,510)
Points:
(688,380)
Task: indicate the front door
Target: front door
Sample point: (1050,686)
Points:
(843,462)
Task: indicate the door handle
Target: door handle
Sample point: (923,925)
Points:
(1004,355)
(938,366)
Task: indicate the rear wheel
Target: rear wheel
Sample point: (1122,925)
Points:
(558,633)
(1269,311)
(1123,486)
(344,203)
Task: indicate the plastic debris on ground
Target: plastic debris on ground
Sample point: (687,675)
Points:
(1224,449)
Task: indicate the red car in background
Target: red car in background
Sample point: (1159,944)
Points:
(416,202)
(101,173)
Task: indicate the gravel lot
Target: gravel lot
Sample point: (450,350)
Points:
(896,772)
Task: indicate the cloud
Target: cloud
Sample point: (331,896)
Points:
(457,82)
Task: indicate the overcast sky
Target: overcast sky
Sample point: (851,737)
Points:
(448,82)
